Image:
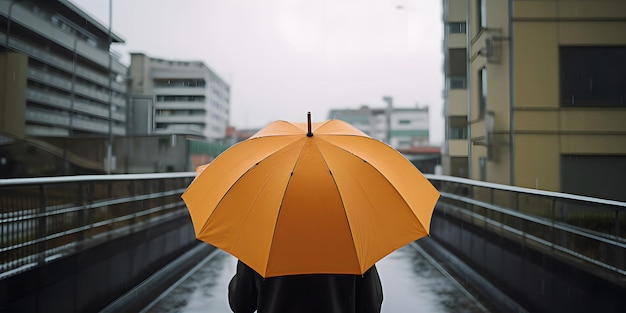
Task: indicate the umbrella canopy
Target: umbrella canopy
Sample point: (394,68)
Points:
(300,198)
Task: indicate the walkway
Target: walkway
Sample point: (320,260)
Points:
(411,283)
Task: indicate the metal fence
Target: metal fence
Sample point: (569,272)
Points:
(588,230)
(42,219)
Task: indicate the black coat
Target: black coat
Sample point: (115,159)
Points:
(339,293)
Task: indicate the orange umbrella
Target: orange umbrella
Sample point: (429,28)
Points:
(297,198)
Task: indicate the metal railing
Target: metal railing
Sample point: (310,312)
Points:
(588,230)
(42,219)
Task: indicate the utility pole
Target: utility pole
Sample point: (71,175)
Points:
(388,111)
(110,144)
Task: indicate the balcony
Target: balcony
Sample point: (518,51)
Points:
(61,63)
(42,26)
(182,119)
(457,147)
(181,106)
(181,91)
(457,102)
(48,118)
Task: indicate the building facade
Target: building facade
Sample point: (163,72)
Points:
(455,149)
(546,94)
(57,75)
(177,97)
(402,128)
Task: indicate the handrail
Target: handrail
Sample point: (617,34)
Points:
(83,178)
(35,212)
(47,217)
(587,230)
(537,192)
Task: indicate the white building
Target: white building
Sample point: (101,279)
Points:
(177,97)
(401,128)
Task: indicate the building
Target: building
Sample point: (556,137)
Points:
(57,75)
(544,90)
(177,97)
(402,128)
(454,151)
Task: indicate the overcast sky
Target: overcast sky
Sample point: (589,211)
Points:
(284,58)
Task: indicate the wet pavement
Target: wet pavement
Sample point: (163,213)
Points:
(412,282)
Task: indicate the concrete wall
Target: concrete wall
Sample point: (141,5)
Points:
(90,280)
(536,281)
(13,93)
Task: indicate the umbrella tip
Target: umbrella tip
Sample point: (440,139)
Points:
(308,117)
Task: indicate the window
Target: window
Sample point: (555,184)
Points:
(594,175)
(173,98)
(483,168)
(458,83)
(457,127)
(457,133)
(405,143)
(593,76)
(457,62)
(482,85)
(457,28)
(457,68)
(482,13)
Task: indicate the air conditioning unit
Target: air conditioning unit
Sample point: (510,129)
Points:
(492,49)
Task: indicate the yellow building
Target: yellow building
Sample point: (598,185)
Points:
(545,94)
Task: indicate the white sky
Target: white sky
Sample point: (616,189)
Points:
(284,58)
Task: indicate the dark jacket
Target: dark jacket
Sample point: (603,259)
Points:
(249,291)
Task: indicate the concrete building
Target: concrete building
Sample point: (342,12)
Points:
(177,97)
(57,75)
(454,151)
(402,128)
(546,94)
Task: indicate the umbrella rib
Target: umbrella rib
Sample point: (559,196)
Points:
(340,197)
(377,170)
(240,177)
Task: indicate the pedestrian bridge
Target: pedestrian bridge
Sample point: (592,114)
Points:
(116,242)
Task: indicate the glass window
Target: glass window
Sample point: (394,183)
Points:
(457,62)
(482,13)
(482,102)
(457,127)
(483,168)
(457,28)
(593,76)
(458,83)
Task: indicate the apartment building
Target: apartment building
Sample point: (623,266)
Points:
(546,94)
(57,75)
(177,97)
(402,128)
(454,157)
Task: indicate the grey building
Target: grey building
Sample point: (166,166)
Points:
(57,75)
(177,97)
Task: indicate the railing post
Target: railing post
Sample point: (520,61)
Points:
(42,222)
(618,232)
(109,212)
(80,236)
(621,253)
(131,193)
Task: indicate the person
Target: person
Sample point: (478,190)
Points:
(330,293)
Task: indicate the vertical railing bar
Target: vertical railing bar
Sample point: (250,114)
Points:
(80,237)
(42,224)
